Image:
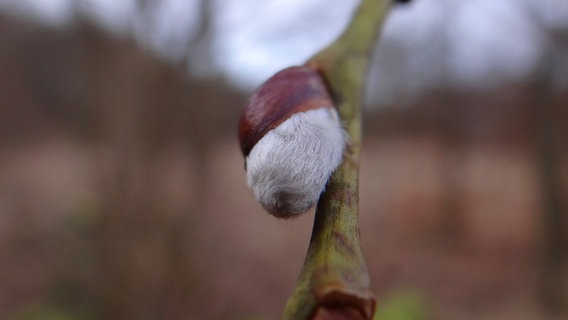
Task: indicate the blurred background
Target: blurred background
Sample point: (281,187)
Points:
(122,189)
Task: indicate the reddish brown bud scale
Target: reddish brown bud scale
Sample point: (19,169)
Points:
(292,90)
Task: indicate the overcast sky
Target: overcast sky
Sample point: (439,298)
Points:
(466,43)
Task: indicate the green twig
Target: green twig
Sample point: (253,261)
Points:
(334,283)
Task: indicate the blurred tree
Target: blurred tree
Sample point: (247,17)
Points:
(451,129)
(545,132)
(544,123)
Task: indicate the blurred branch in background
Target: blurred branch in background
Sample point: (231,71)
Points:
(545,128)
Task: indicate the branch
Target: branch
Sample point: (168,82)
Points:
(334,282)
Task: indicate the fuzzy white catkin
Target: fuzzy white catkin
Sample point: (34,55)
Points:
(288,168)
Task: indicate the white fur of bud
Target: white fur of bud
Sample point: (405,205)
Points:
(288,168)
